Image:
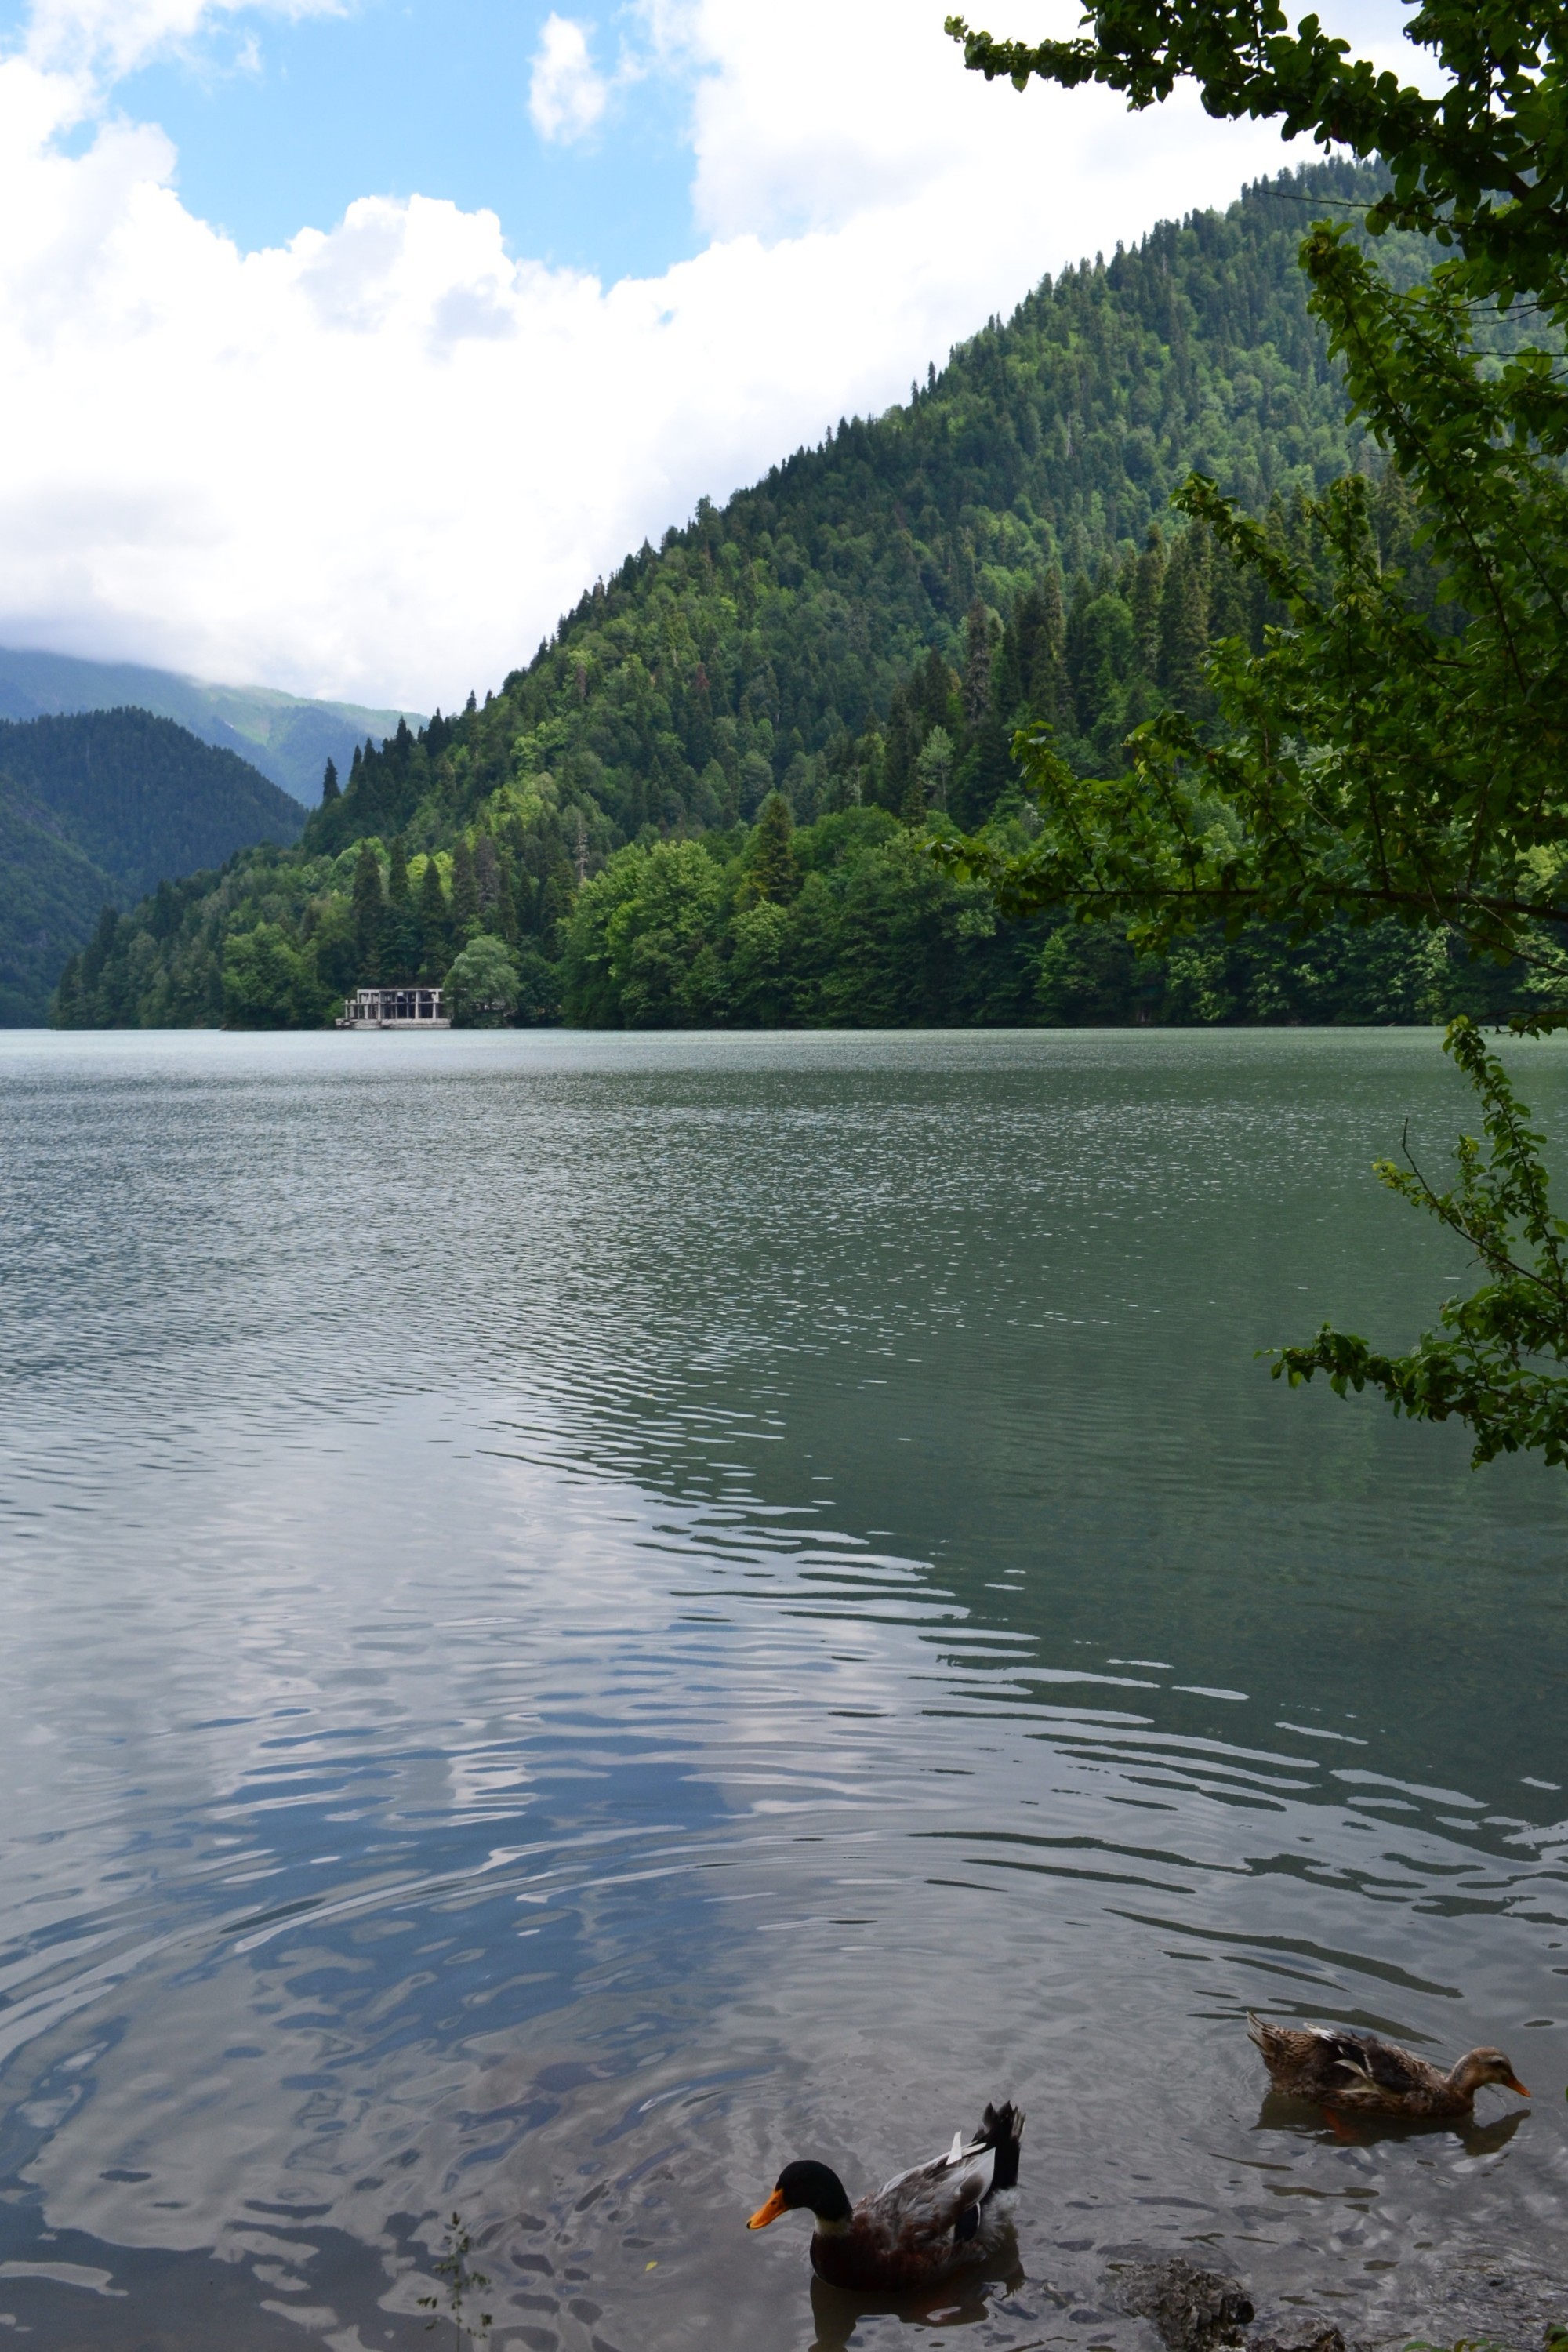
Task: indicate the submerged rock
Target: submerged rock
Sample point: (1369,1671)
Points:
(1312,2340)
(1195,2310)
(1192,2309)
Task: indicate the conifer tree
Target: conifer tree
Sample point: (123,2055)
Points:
(1184,621)
(979,641)
(164,919)
(465,891)
(554,905)
(1148,580)
(773,868)
(934,768)
(330,787)
(369,914)
(99,949)
(1049,693)
(487,879)
(400,938)
(68,1010)
(434,938)
(506,921)
(901,744)
(1018,651)
(939,695)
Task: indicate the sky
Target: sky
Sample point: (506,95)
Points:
(344,342)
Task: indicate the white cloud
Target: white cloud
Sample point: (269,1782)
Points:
(110,38)
(566,94)
(380,462)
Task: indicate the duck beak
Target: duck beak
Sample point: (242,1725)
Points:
(768,2212)
(1512,2083)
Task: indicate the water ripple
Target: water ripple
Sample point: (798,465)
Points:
(585,1615)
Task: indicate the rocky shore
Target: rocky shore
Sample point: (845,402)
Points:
(1195,2310)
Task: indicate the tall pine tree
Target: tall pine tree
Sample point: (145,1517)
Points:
(368,916)
(1184,622)
(465,890)
(505,917)
(400,935)
(980,633)
(435,932)
(772,870)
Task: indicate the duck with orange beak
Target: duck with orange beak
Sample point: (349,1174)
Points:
(1363,2075)
(932,2219)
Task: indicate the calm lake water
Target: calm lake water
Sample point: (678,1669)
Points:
(584,1615)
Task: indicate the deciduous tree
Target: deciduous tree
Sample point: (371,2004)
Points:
(1378,756)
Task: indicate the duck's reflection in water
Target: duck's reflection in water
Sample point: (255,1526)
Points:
(961,2300)
(1305,2119)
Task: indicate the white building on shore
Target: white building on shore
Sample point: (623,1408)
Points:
(394,1008)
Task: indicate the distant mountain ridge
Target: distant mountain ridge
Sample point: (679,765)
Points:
(96,809)
(286,737)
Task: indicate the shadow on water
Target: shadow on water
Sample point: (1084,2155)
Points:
(1307,2120)
(975,2295)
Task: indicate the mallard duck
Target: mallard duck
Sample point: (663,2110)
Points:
(926,2222)
(1358,2071)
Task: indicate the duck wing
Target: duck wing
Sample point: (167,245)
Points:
(931,2199)
(1367,2068)
(912,2231)
(928,2221)
(1329,2062)
(942,2198)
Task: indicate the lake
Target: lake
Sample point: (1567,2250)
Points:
(586,1614)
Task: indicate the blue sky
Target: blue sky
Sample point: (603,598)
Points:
(282,124)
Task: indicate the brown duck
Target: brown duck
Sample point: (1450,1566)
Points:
(937,2217)
(1366,2077)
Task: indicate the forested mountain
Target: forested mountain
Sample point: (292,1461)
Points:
(98,808)
(701,800)
(738,656)
(286,736)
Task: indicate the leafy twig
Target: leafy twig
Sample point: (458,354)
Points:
(1489,1365)
(457,2245)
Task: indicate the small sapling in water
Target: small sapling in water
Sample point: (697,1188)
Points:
(461,2282)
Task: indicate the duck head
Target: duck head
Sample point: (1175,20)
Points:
(815,2187)
(1482,2066)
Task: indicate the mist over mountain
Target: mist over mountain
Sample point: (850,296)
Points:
(286,737)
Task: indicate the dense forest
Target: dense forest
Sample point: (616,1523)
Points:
(705,798)
(96,807)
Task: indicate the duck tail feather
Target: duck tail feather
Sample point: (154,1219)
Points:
(1256,2032)
(1001,2128)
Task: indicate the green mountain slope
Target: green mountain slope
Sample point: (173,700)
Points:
(101,807)
(696,679)
(850,644)
(289,739)
(50,896)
